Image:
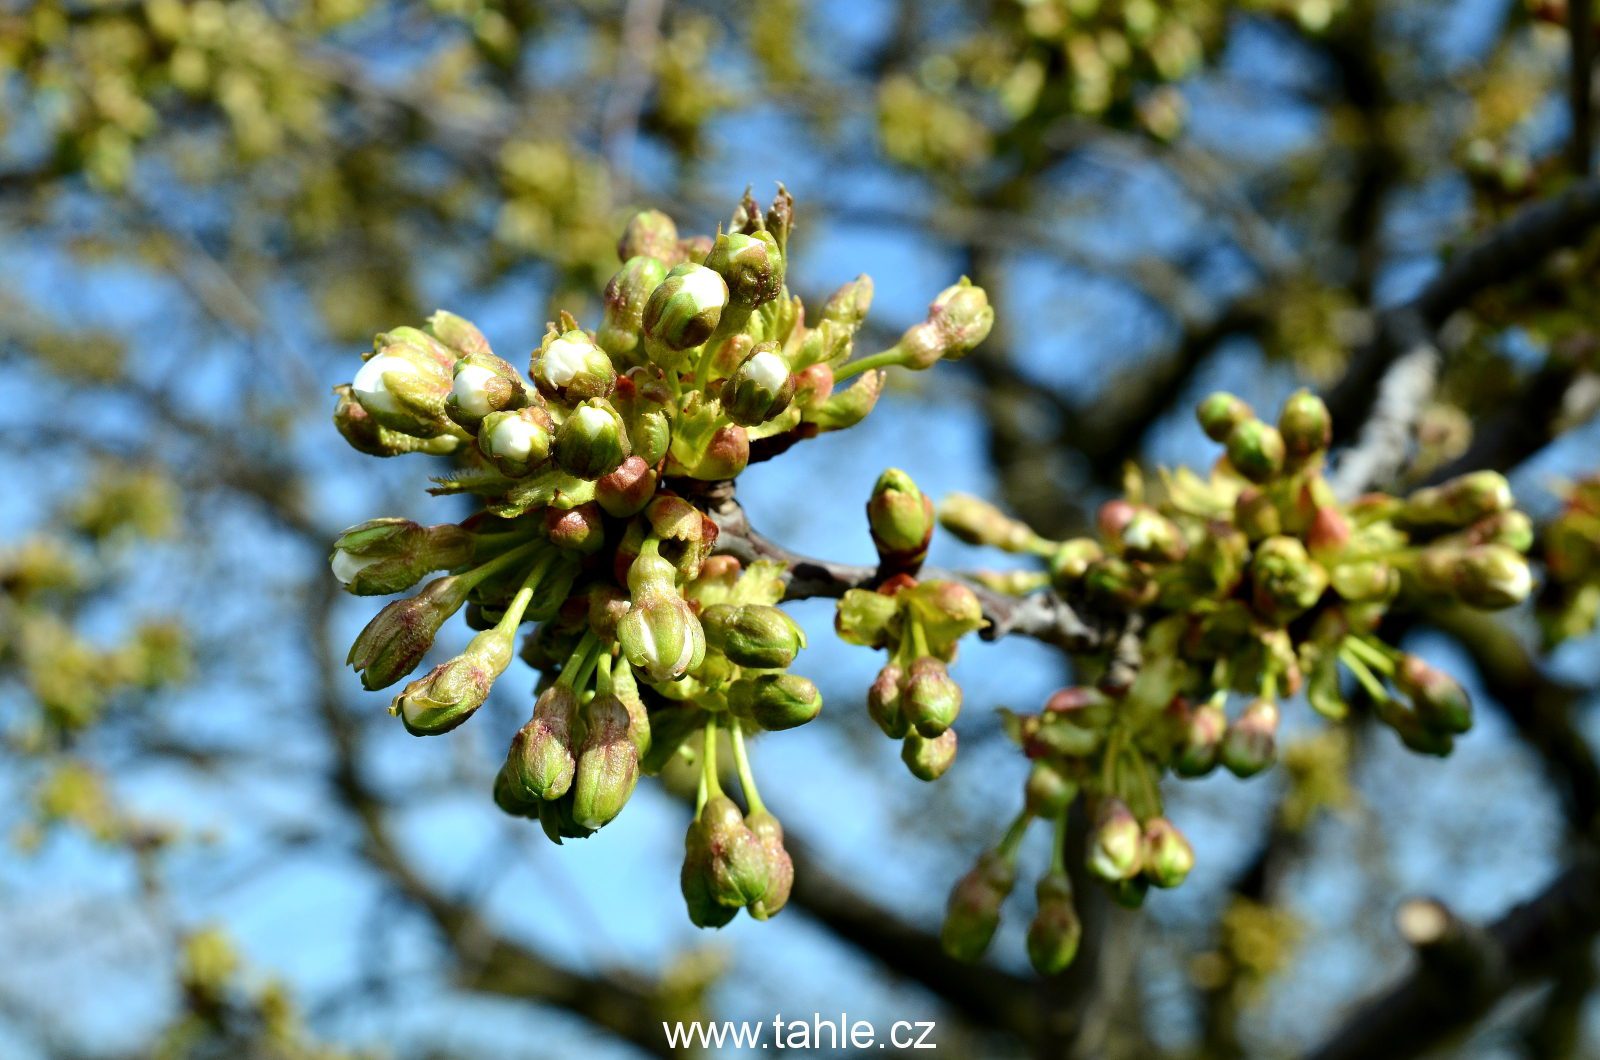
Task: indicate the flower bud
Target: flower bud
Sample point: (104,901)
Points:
(958,320)
(515,442)
(628,489)
(1150,537)
(1200,740)
(482,383)
(685,307)
(813,385)
(398,636)
(1220,413)
(569,367)
(977,522)
(848,407)
(695,880)
(541,764)
(901,519)
(651,234)
(759,636)
(884,702)
(458,333)
(1256,450)
(1490,577)
(1459,502)
(403,385)
(738,868)
(928,759)
(383,556)
(366,435)
(726,455)
(750,265)
(1251,742)
(1306,427)
(1049,790)
(760,388)
(931,699)
(1255,513)
(973,912)
(1168,857)
(780,867)
(1070,562)
(661,636)
(866,618)
(1054,934)
(1114,582)
(591,442)
(1286,581)
(849,304)
(579,529)
(449,693)
(1438,699)
(608,764)
(626,296)
(775,701)
(1116,845)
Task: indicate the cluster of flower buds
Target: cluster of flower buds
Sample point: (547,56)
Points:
(1569,607)
(1255,581)
(913,699)
(594,472)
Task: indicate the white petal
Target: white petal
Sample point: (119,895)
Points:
(512,438)
(705,287)
(471,389)
(369,386)
(346,567)
(563,359)
(767,370)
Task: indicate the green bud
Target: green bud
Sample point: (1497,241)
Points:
(901,519)
(827,345)
(651,234)
(449,693)
(608,764)
(1489,577)
(750,264)
(1070,562)
(973,912)
(755,635)
(760,388)
(849,304)
(928,759)
(931,699)
(459,334)
(1322,682)
(738,863)
(366,435)
(780,867)
(1365,582)
(625,299)
(977,522)
(569,367)
(482,383)
(661,636)
(1255,513)
(383,556)
(404,383)
(1151,537)
(1049,790)
(1116,583)
(775,701)
(1168,857)
(1306,427)
(958,320)
(515,442)
(555,817)
(1200,740)
(885,704)
(845,408)
(1439,700)
(685,307)
(1286,581)
(1256,450)
(1220,413)
(726,455)
(866,618)
(1116,845)
(695,880)
(540,764)
(628,489)
(580,529)
(1251,742)
(1459,502)
(394,642)
(1054,934)
(591,442)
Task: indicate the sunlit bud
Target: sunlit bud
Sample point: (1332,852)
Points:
(1114,582)
(750,265)
(1369,580)
(403,385)
(775,701)
(1200,740)
(931,699)
(850,304)
(1305,426)
(813,385)
(628,489)
(556,818)
(383,556)
(366,435)
(580,529)
(1490,577)
(726,455)
(865,617)
(458,333)
(1070,562)
(625,299)
(591,442)
(1257,514)
(695,880)
(1055,931)
(449,693)
(977,522)
(900,517)
(1251,742)
(928,759)
(738,864)
(1416,734)
(780,867)
(848,407)
(1513,529)
(1116,844)
(1256,450)
(1049,790)
(661,636)
(1151,537)
(884,704)
(1220,413)
(570,367)
(516,442)
(760,388)
(1439,700)
(1287,581)
(958,320)
(755,635)
(973,912)
(685,307)
(482,384)
(608,764)
(1459,502)
(397,638)
(649,233)
(541,763)
(1168,857)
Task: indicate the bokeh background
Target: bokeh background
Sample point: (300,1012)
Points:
(217,844)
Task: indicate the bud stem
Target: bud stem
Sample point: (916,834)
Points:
(519,603)
(1013,837)
(708,766)
(1058,856)
(883,359)
(1372,655)
(1365,676)
(581,663)
(735,316)
(747,779)
(504,559)
(602,673)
